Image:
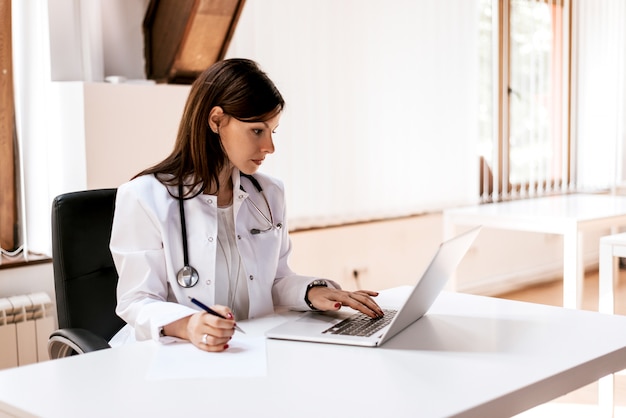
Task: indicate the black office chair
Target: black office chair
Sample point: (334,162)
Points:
(85,278)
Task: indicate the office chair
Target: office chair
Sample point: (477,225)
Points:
(85,278)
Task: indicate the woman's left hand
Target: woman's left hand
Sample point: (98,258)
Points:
(329,299)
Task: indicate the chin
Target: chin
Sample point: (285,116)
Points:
(249,170)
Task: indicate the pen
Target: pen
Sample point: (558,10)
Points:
(212,312)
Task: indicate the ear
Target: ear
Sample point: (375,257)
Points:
(215,118)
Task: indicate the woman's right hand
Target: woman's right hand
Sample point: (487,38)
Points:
(209,332)
(205,331)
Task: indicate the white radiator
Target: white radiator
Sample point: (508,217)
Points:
(26,322)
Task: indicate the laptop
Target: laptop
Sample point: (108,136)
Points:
(351,327)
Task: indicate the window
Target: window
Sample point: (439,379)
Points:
(524,96)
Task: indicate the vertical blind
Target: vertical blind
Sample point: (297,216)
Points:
(600,49)
(558,79)
(381,104)
(524,82)
(538,48)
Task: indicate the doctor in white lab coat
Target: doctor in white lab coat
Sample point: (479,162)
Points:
(208,193)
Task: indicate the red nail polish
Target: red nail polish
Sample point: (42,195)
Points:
(225,346)
(337,305)
(229,315)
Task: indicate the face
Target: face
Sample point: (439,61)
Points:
(246,143)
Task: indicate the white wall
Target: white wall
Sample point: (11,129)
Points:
(128,127)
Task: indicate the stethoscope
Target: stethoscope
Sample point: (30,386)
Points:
(188,276)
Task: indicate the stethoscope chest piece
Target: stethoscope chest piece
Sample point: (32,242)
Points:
(187,276)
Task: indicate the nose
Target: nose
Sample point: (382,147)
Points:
(267,146)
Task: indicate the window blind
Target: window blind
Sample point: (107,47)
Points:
(381,104)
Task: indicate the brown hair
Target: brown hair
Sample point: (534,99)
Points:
(244,92)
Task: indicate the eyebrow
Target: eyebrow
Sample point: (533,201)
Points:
(268,126)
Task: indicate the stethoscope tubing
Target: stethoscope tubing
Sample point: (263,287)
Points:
(188,276)
(183,224)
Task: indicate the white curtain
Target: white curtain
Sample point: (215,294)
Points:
(31,68)
(599,44)
(50,163)
(381,116)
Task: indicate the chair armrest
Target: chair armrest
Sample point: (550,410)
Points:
(69,341)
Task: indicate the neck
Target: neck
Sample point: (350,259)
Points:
(225,192)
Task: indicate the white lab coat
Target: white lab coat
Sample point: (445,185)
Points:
(146,244)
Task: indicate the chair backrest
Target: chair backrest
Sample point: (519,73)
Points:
(85,277)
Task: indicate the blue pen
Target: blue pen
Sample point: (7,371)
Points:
(211,311)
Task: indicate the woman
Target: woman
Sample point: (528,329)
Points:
(206,207)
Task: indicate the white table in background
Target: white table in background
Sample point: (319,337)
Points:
(470,356)
(567,215)
(611,247)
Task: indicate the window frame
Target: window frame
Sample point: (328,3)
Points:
(495,181)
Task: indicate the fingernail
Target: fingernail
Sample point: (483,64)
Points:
(225,346)
(337,305)
(229,315)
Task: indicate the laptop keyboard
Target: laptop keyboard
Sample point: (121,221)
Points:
(361,325)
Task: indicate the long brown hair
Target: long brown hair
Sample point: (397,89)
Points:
(244,92)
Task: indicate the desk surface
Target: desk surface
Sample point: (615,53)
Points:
(470,356)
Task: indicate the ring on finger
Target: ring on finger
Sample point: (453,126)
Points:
(204,337)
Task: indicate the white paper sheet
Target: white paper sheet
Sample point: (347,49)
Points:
(245,357)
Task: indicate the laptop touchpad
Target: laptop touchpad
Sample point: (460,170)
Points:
(329,317)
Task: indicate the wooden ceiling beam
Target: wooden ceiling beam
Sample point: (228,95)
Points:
(8,179)
(184,37)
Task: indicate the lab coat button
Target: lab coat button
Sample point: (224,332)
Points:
(208,282)
(210,201)
(251,277)
(210,239)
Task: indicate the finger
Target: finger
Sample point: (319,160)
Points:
(217,327)
(212,348)
(367,292)
(363,303)
(224,311)
(209,342)
(226,323)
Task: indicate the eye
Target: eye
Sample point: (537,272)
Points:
(258,132)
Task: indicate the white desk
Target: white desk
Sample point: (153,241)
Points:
(611,246)
(566,215)
(470,356)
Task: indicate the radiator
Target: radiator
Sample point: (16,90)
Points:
(26,322)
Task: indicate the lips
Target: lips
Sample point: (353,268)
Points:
(258,162)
